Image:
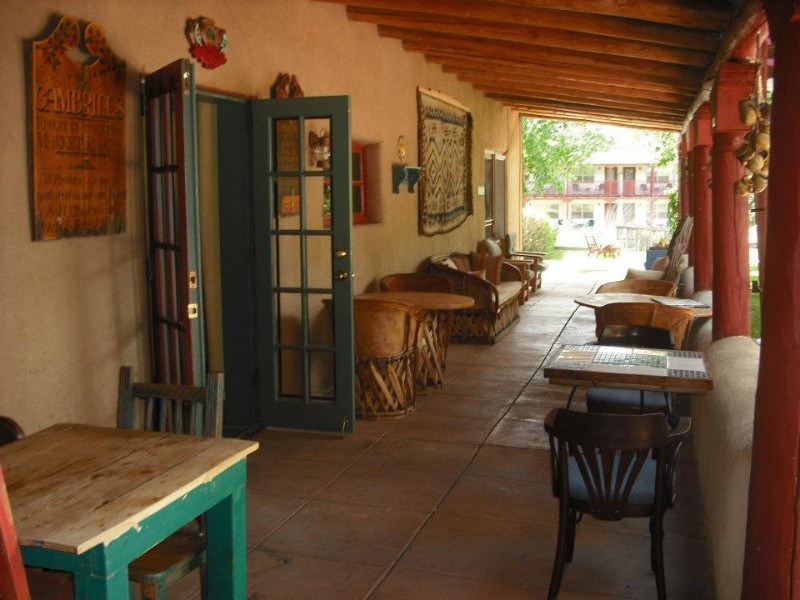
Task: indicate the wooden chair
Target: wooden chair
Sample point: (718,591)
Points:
(10,431)
(416,282)
(529,264)
(625,401)
(591,245)
(386,342)
(612,467)
(538,265)
(652,287)
(676,319)
(174,409)
(677,247)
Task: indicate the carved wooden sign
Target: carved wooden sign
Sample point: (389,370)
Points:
(78,128)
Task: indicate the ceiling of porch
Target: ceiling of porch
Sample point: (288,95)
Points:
(641,63)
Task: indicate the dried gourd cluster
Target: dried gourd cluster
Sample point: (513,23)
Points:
(754,153)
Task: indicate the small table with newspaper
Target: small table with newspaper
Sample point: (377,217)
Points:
(589,365)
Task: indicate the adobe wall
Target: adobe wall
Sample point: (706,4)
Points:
(72,311)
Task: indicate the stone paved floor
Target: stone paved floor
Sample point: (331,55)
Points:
(454,500)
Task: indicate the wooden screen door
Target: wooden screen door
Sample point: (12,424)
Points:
(173,263)
(292,158)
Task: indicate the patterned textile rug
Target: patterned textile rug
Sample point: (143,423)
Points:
(445,140)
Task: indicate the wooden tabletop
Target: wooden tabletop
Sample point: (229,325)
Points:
(426,300)
(599,300)
(73,487)
(631,368)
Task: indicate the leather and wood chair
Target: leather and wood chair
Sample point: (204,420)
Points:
(653,287)
(416,282)
(510,252)
(426,282)
(677,319)
(529,264)
(179,409)
(387,338)
(612,467)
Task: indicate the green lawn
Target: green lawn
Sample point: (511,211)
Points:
(755,309)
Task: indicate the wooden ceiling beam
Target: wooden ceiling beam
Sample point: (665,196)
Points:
(650,81)
(529,53)
(558,78)
(545,38)
(526,111)
(680,13)
(564,109)
(566,86)
(675,13)
(615,103)
(476,12)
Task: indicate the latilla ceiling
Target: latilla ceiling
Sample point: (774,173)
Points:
(641,63)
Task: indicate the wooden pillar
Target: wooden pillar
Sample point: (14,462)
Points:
(731,213)
(772,559)
(702,233)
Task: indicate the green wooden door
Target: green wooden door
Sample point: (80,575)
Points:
(292,158)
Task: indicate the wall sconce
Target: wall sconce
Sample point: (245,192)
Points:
(403,173)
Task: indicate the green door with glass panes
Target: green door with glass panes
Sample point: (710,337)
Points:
(300,328)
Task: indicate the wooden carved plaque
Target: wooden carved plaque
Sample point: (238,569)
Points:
(78,128)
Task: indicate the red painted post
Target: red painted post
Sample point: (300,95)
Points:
(731,213)
(701,198)
(772,559)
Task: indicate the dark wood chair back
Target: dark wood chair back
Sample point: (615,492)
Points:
(171,408)
(10,431)
(612,467)
(676,319)
(641,336)
(416,282)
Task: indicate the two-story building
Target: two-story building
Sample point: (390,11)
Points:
(620,195)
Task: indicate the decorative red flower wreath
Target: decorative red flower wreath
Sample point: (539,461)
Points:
(207,43)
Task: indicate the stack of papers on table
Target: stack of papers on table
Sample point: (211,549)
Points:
(677,301)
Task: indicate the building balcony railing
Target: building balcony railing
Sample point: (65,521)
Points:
(625,189)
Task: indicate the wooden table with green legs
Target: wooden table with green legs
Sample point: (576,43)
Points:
(89,500)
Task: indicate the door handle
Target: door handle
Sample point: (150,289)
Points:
(342,275)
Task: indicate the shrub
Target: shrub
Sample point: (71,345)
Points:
(538,235)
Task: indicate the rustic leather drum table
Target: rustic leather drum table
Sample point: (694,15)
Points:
(438,323)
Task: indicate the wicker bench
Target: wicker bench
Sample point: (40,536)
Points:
(496,308)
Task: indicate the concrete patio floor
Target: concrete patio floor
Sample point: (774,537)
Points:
(454,500)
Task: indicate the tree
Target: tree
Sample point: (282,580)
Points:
(553,150)
(663,145)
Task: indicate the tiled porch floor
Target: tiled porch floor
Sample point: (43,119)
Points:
(454,500)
